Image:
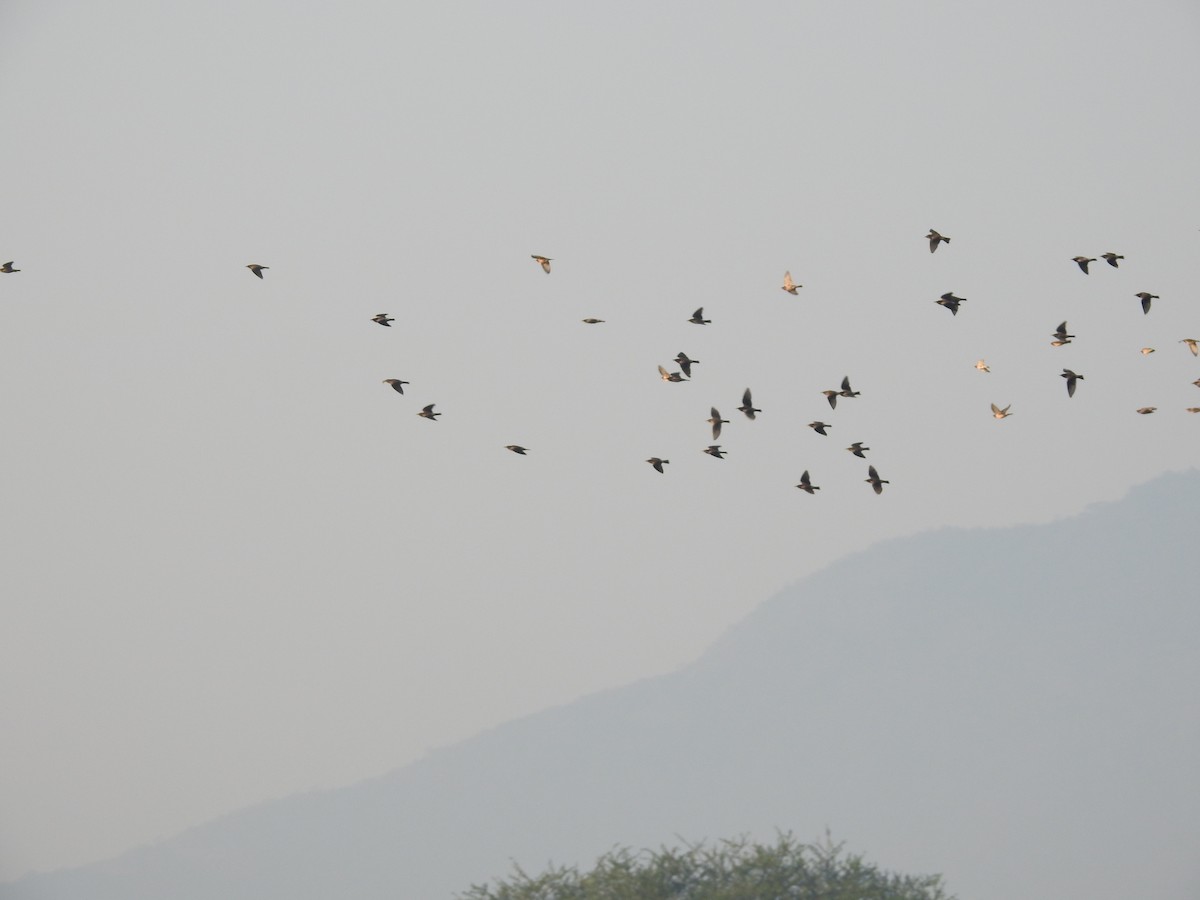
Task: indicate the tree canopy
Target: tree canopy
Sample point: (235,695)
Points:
(728,870)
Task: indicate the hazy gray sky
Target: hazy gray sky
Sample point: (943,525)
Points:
(238,566)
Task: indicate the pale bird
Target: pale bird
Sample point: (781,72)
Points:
(806,484)
(999,413)
(935,239)
(658,463)
(544,262)
(788,285)
(253,267)
(1082,261)
(396,383)
(1194,409)
(874,480)
(1146,351)
(716,422)
(428,413)
(982,366)
(1146,297)
(1193,345)
(669,376)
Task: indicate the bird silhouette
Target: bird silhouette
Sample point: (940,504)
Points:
(716,421)
(831,396)
(396,383)
(1071,377)
(1111,259)
(806,484)
(428,413)
(1146,297)
(715,450)
(951,302)
(517,449)
(846,390)
(7,268)
(999,413)
(669,376)
(875,481)
(658,463)
(383,320)
(858,449)
(788,285)
(935,239)
(544,262)
(698,317)
(1082,261)
(593,321)
(819,427)
(1193,345)
(1146,410)
(253,267)
(747,407)
(685,363)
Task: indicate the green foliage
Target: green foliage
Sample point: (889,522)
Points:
(731,870)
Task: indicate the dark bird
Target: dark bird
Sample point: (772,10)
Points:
(747,407)
(789,285)
(831,396)
(1060,336)
(715,450)
(1111,259)
(253,267)
(1146,410)
(858,449)
(1083,262)
(875,481)
(685,363)
(396,383)
(716,422)
(698,317)
(1071,379)
(516,448)
(428,413)
(658,463)
(819,427)
(935,239)
(846,390)
(544,262)
(383,320)
(7,268)
(593,321)
(1146,297)
(806,484)
(1196,382)
(669,376)
(1193,345)
(951,302)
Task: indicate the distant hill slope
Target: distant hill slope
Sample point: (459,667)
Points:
(1016,708)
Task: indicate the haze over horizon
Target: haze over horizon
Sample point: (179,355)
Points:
(239,566)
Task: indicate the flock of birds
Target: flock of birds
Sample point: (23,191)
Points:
(1061,337)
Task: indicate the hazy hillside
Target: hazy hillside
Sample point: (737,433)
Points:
(1018,709)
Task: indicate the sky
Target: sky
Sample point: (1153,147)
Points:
(238,566)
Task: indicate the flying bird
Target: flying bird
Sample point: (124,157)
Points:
(685,363)
(1060,336)
(396,383)
(1193,345)
(716,422)
(999,413)
(253,267)
(1146,351)
(516,448)
(698,317)
(747,407)
(819,427)
(544,262)
(715,450)
(846,390)
(935,239)
(428,413)
(858,449)
(982,366)
(951,302)
(593,321)
(1146,410)
(7,268)
(1071,379)
(658,463)
(789,285)
(806,484)
(875,481)
(1082,261)
(1193,409)
(383,320)
(831,396)
(1146,297)
(1111,259)
(669,376)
